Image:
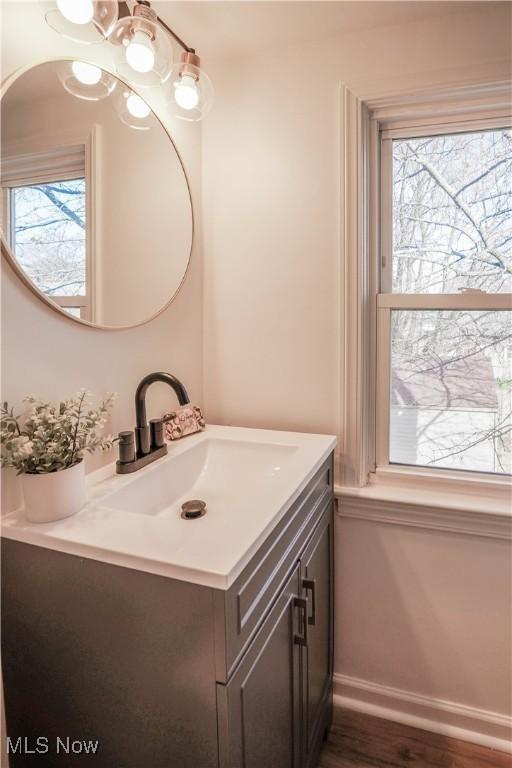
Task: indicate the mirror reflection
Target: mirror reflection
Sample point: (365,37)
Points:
(96,212)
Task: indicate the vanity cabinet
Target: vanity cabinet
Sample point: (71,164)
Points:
(165,673)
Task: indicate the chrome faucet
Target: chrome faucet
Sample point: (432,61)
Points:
(148,443)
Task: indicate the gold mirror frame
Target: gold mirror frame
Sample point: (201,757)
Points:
(14,265)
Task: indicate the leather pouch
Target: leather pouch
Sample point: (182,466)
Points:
(185,420)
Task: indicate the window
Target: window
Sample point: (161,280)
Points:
(444,317)
(48,225)
(45,203)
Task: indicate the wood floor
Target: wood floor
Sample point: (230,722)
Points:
(361,741)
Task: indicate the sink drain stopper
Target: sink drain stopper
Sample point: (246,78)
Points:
(192,509)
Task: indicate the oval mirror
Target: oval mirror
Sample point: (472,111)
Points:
(96,212)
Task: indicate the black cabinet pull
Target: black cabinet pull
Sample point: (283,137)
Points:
(302,603)
(310,584)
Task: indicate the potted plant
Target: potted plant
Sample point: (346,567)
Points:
(46,446)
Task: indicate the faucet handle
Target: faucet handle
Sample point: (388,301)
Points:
(156,429)
(142,443)
(126,447)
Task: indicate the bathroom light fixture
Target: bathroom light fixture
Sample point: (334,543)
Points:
(86,81)
(191,92)
(186,93)
(140,53)
(134,111)
(80,12)
(144,54)
(87,74)
(85,21)
(137,107)
(144,51)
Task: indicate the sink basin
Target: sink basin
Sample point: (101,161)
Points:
(223,473)
(248,478)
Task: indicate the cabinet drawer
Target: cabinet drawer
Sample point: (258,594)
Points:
(240,610)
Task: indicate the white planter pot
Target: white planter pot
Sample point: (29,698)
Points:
(55,495)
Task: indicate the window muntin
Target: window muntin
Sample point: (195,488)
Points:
(452,212)
(48,235)
(447,298)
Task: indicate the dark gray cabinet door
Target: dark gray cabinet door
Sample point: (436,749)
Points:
(316,577)
(259,709)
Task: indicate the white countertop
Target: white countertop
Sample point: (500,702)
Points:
(248,477)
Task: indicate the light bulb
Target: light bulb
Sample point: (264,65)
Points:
(140,53)
(76,11)
(137,107)
(186,93)
(87,74)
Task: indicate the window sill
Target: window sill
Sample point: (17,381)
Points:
(457,506)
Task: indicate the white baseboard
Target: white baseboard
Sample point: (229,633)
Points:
(447,718)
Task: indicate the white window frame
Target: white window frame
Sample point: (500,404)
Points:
(367,301)
(64,157)
(388,301)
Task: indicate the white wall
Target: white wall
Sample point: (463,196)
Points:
(271,190)
(428,613)
(422,612)
(46,354)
